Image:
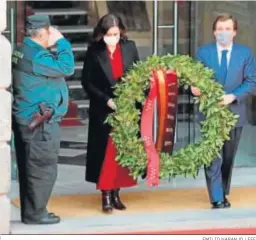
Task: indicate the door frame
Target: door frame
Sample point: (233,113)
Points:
(174,28)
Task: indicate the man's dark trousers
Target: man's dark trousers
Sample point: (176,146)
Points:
(218,175)
(37,157)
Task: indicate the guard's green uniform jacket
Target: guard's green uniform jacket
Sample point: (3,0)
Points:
(38,77)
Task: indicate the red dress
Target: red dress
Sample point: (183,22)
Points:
(112,175)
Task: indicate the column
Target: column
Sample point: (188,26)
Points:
(5,123)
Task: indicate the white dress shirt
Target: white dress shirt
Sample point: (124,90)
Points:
(220,48)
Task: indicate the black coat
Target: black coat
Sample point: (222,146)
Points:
(97,81)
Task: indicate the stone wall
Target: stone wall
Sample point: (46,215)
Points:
(5,123)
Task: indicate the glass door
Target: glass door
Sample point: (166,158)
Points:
(172,34)
(10,31)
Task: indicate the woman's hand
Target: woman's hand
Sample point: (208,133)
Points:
(111,104)
(196,92)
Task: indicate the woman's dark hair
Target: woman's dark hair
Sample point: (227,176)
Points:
(105,23)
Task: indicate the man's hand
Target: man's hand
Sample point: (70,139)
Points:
(111,104)
(54,36)
(196,92)
(227,99)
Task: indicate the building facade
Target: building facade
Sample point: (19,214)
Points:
(157,27)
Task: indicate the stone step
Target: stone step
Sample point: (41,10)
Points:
(60,12)
(82,103)
(69,152)
(79,65)
(77,93)
(75,29)
(183,100)
(76,84)
(76,47)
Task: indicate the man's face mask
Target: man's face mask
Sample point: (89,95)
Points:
(224,38)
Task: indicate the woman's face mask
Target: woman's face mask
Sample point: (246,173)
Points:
(111,40)
(112,36)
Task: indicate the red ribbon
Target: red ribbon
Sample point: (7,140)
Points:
(167,99)
(147,136)
(164,88)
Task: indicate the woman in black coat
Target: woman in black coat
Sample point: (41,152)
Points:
(108,58)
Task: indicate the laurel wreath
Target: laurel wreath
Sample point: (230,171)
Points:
(214,130)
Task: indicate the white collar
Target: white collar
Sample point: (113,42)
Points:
(220,48)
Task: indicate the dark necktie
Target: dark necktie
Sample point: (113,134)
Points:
(223,65)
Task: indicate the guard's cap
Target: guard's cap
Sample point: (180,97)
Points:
(37,21)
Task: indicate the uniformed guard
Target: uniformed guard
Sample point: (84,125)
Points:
(40,102)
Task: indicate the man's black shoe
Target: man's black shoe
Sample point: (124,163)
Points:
(217,205)
(226,203)
(50,218)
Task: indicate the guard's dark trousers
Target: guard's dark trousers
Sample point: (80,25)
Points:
(37,156)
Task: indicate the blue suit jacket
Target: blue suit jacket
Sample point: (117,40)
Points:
(241,76)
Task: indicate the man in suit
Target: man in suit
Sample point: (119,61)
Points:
(235,68)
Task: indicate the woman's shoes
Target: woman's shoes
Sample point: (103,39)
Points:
(110,200)
(116,201)
(107,202)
